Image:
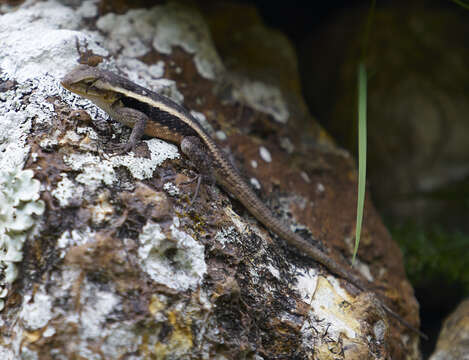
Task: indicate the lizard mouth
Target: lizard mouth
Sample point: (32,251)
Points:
(73,87)
(65,83)
(69,85)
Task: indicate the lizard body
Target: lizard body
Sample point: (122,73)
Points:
(157,116)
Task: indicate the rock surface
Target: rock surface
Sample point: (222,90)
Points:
(453,339)
(121,265)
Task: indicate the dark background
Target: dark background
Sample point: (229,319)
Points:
(300,20)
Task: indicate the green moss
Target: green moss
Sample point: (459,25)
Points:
(432,254)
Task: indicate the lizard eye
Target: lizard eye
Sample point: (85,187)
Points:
(89,83)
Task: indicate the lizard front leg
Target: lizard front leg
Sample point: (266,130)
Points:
(136,119)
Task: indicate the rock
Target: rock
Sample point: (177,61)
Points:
(120,263)
(452,342)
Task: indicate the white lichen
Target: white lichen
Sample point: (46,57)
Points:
(96,171)
(19,196)
(100,305)
(255,183)
(36,311)
(221,135)
(72,238)
(6,354)
(200,117)
(36,39)
(88,9)
(50,331)
(102,210)
(13,131)
(178,25)
(305,177)
(176,259)
(121,341)
(66,190)
(93,170)
(287,145)
(265,154)
(171,189)
(143,168)
(263,97)
(227,235)
(306,283)
(19,192)
(162,27)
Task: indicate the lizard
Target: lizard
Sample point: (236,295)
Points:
(149,113)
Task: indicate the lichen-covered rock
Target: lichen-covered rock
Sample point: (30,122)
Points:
(122,264)
(453,339)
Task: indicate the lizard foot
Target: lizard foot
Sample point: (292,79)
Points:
(197,178)
(119,149)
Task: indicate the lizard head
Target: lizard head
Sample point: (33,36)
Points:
(90,83)
(81,80)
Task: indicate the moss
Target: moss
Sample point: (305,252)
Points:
(432,253)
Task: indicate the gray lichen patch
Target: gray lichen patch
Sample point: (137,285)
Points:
(36,311)
(95,170)
(163,27)
(173,259)
(6,354)
(263,97)
(102,304)
(15,125)
(66,191)
(36,39)
(142,168)
(69,239)
(99,307)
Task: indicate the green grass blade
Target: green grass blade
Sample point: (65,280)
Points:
(362,92)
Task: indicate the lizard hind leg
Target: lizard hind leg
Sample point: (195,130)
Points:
(197,178)
(198,154)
